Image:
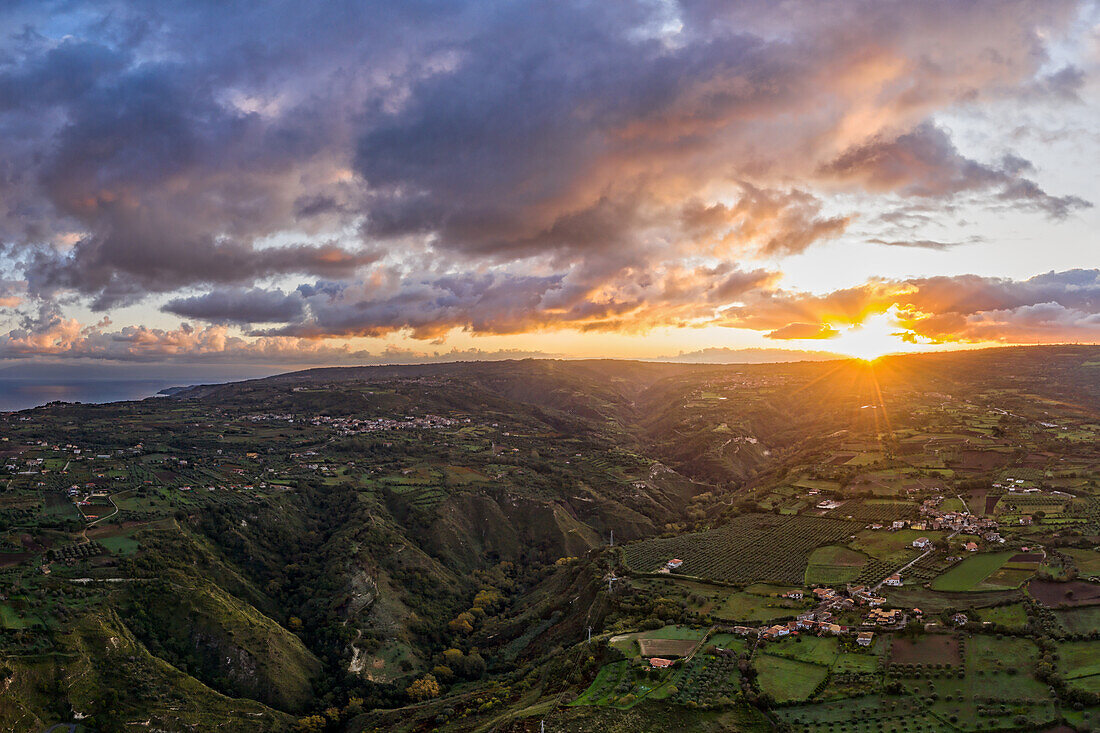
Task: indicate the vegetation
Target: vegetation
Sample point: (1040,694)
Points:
(429,548)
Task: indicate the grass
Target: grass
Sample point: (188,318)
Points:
(834,565)
(988,653)
(813,649)
(968,574)
(1077,659)
(120,545)
(1088,561)
(1083,620)
(1012,617)
(741,606)
(894,547)
(787,680)
(856,662)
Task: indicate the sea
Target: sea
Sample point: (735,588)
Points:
(24,393)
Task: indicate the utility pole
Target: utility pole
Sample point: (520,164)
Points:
(612,538)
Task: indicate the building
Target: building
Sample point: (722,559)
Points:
(922,543)
(658,663)
(674,563)
(971,547)
(894,580)
(864,638)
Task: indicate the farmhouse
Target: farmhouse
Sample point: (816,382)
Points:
(658,663)
(674,563)
(971,547)
(894,580)
(864,638)
(922,542)
(878,617)
(795,594)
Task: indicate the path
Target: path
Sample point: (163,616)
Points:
(912,562)
(110,498)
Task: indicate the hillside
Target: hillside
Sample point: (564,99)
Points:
(428,547)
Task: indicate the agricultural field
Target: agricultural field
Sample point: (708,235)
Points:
(743,606)
(357,532)
(1012,616)
(864,714)
(1083,620)
(751,548)
(834,565)
(931,649)
(894,548)
(1080,665)
(984,571)
(788,680)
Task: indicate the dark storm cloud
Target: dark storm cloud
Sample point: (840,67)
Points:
(239,306)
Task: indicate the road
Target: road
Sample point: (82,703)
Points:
(110,498)
(912,562)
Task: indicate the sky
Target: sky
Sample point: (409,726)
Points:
(288,183)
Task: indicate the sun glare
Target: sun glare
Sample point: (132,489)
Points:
(875,337)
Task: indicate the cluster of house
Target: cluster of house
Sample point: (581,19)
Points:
(355,425)
(934,519)
(958,521)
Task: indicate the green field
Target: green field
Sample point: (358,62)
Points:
(120,545)
(787,680)
(749,607)
(834,565)
(894,547)
(969,574)
(814,649)
(1087,561)
(1013,616)
(1084,620)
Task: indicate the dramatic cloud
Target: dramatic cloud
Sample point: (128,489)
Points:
(804,331)
(239,306)
(67,339)
(417,167)
(503,303)
(968,308)
(925,163)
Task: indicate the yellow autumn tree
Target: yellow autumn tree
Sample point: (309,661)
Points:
(424,688)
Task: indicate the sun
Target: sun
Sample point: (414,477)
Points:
(877,336)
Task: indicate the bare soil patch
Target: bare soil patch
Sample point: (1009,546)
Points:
(1074,593)
(666,647)
(929,649)
(982,460)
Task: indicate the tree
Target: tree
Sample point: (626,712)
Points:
(424,688)
(311,724)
